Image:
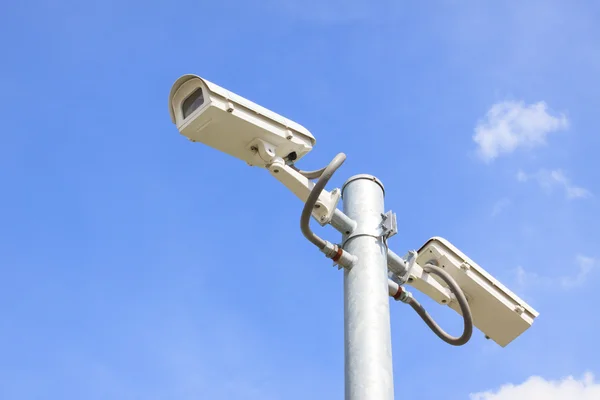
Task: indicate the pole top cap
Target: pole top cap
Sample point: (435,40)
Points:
(364,176)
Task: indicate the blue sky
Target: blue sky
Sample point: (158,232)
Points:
(136,265)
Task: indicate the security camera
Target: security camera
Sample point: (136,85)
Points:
(500,314)
(209,114)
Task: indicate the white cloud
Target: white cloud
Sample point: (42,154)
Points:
(548,180)
(537,388)
(500,206)
(585,266)
(509,125)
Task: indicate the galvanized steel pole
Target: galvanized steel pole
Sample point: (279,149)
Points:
(368,347)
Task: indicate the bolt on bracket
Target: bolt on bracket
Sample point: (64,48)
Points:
(411,260)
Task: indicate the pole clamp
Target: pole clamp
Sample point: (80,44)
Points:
(389,224)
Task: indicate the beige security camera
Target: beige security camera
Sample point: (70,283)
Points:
(209,114)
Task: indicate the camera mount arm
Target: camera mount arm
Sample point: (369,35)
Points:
(296,182)
(406,270)
(301,186)
(318,202)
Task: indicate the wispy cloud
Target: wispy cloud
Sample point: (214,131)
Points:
(585,266)
(550,179)
(500,206)
(509,125)
(536,387)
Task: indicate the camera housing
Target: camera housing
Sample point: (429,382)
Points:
(499,313)
(207,113)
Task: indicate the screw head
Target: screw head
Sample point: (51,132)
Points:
(519,310)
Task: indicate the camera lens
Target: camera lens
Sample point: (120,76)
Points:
(192,102)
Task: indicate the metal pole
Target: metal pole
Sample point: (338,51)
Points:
(368,347)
